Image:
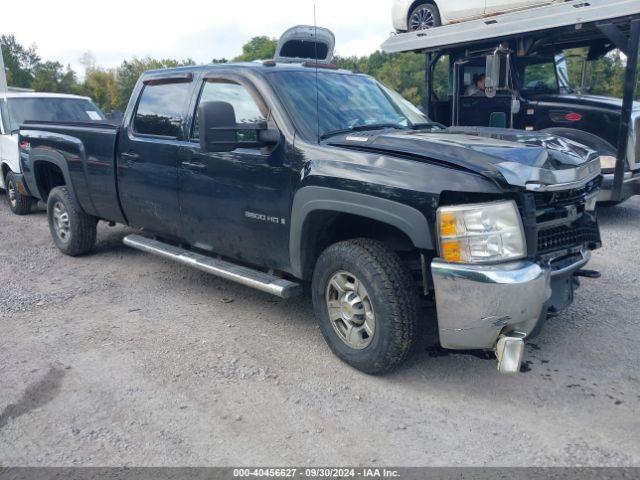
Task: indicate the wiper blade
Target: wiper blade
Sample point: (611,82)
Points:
(418,126)
(362,128)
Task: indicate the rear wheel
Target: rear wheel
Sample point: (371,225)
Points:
(424,17)
(366,305)
(73,231)
(18,203)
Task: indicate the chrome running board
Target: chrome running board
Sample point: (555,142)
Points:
(243,275)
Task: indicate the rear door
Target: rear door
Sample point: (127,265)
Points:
(149,156)
(453,10)
(236,203)
(499,6)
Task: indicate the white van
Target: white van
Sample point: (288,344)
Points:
(18,107)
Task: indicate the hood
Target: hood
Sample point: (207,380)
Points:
(584,100)
(517,157)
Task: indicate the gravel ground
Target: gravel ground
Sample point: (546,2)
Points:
(121,358)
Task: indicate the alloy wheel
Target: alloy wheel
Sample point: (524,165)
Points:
(61,222)
(422,19)
(350,310)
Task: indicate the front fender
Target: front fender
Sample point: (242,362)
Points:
(310,199)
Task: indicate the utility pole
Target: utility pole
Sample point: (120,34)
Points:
(3,75)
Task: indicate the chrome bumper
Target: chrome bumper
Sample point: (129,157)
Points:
(630,186)
(478,303)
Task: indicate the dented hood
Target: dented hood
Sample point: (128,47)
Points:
(524,159)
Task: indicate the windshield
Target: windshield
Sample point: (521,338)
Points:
(346,102)
(51,110)
(544,75)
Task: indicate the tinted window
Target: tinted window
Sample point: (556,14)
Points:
(52,110)
(246,109)
(161,109)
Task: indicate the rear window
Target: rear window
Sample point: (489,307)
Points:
(161,110)
(21,110)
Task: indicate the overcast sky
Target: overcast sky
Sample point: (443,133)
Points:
(114,30)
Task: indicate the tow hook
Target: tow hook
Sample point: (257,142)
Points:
(588,274)
(510,352)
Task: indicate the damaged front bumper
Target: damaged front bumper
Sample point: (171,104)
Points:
(477,304)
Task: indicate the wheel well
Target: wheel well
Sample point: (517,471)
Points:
(48,176)
(323,228)
(421,2)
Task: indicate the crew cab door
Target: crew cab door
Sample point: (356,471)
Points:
(149,156)
(236,203)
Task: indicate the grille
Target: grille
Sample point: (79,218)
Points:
(567,197)
(563,237)
(580,228)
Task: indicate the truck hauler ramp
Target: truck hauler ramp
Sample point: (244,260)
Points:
(511,48)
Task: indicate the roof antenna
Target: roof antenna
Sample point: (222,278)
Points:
(315,34)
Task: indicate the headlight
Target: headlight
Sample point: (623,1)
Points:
(607,162)
(481,233)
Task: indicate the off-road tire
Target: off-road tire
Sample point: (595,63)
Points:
(427,7)
(393,296)
(21,204)
(82,227)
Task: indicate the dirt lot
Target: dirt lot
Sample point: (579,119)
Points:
(120,358)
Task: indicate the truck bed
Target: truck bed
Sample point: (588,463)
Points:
(86,152)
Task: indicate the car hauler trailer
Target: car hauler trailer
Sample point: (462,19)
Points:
(502,47)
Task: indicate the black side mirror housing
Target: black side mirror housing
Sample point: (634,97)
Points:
(217,127)
(219,131)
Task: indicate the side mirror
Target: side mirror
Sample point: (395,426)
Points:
(492,74)
(217,127)
(219,131)
(497,72)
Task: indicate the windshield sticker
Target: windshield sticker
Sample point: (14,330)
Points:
(94,115)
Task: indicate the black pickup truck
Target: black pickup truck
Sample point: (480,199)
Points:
(280,175)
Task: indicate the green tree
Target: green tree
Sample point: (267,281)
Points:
(19,61)
(129,72)
(258,48)
(54,77)
(102,86)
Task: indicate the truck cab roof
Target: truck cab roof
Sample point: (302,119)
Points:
(260,66)
(42,95)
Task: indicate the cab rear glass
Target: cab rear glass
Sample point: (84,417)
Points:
(20,110)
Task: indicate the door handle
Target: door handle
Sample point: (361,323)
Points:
(130,156)
(194,166)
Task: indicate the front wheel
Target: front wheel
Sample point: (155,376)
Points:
(73,231)
(424,17)
(18,203)
(366,305)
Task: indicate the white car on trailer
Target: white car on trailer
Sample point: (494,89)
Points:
(412,15)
